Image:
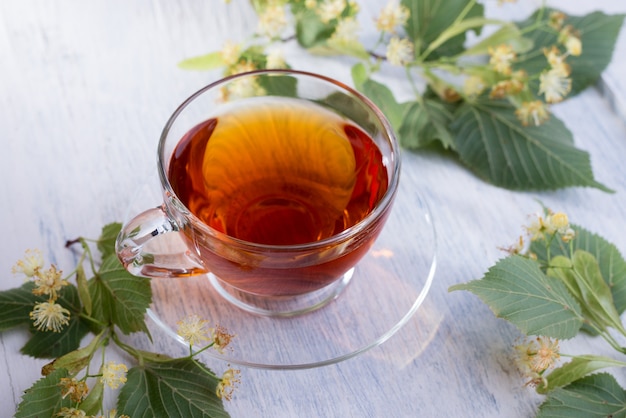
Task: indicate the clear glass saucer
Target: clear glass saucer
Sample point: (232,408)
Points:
(387,288)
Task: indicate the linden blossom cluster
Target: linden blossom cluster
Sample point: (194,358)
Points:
(49,315)
(195,330)
(51,295)
(554,84)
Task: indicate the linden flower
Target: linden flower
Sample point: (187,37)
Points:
(538,355)
(230,53)
(276,59)
(193,329)
(534,112)
(49,283)
(310,4)
(557,61)
(537,227)
(399,51)
(71,413)
(392,16)
(30,264)
(49,316)
(501,58)
(243,87)
(473,86)
(228,384)
(114,374)
(574,46)
(221,338)
(272,21)
(519,247)
(571,40)
(345,32)
(554,85)
(556,20)
(331,9)
(508,87)
(76,389)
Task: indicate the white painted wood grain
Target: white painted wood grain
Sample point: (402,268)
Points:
(85,89)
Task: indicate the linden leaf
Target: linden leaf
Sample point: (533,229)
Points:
(491,141)
(177,388)
(583,277)
(119,297)
(428,19)
(310,30)
(612,264)
(49,344)
(83,288)
(382,97)
(598,33)
(579,367)
(43,399)
(279,85)
(16,305)
(507,34)
(92,404)
(205,62)
(596,396)
(106,241)
(517,290)
(79,359)
(426,122)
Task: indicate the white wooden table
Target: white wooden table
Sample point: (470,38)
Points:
(85,89)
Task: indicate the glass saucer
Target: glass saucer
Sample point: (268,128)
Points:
(387,287)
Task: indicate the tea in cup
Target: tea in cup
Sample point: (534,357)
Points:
(275,184)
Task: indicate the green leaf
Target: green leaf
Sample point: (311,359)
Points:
(350,107)
(382,97)
(426,121)
(43,399)
(106,242)
(517,290)
(492,142)
(612,264)
(430,18)
(16,305)
(311,31)
(83,288)
(49,344)
(205,62)
(279,85)
(596,396)
(579,367)
(508,34)
(79,359)
(92,404)
(359,75)
(583,275)
(178,388)
(598,35)
(119,297)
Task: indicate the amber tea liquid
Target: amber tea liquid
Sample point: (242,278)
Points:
(278,171)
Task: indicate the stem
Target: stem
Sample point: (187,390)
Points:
(127,348)
(201,350)
(464,12)
(93,320)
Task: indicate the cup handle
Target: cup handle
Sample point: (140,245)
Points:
(152,245)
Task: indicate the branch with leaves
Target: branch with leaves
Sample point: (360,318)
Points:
(107,304)
(488,103)
(558,281)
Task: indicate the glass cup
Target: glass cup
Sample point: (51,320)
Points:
(275,184)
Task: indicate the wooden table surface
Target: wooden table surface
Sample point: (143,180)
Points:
(85,89)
